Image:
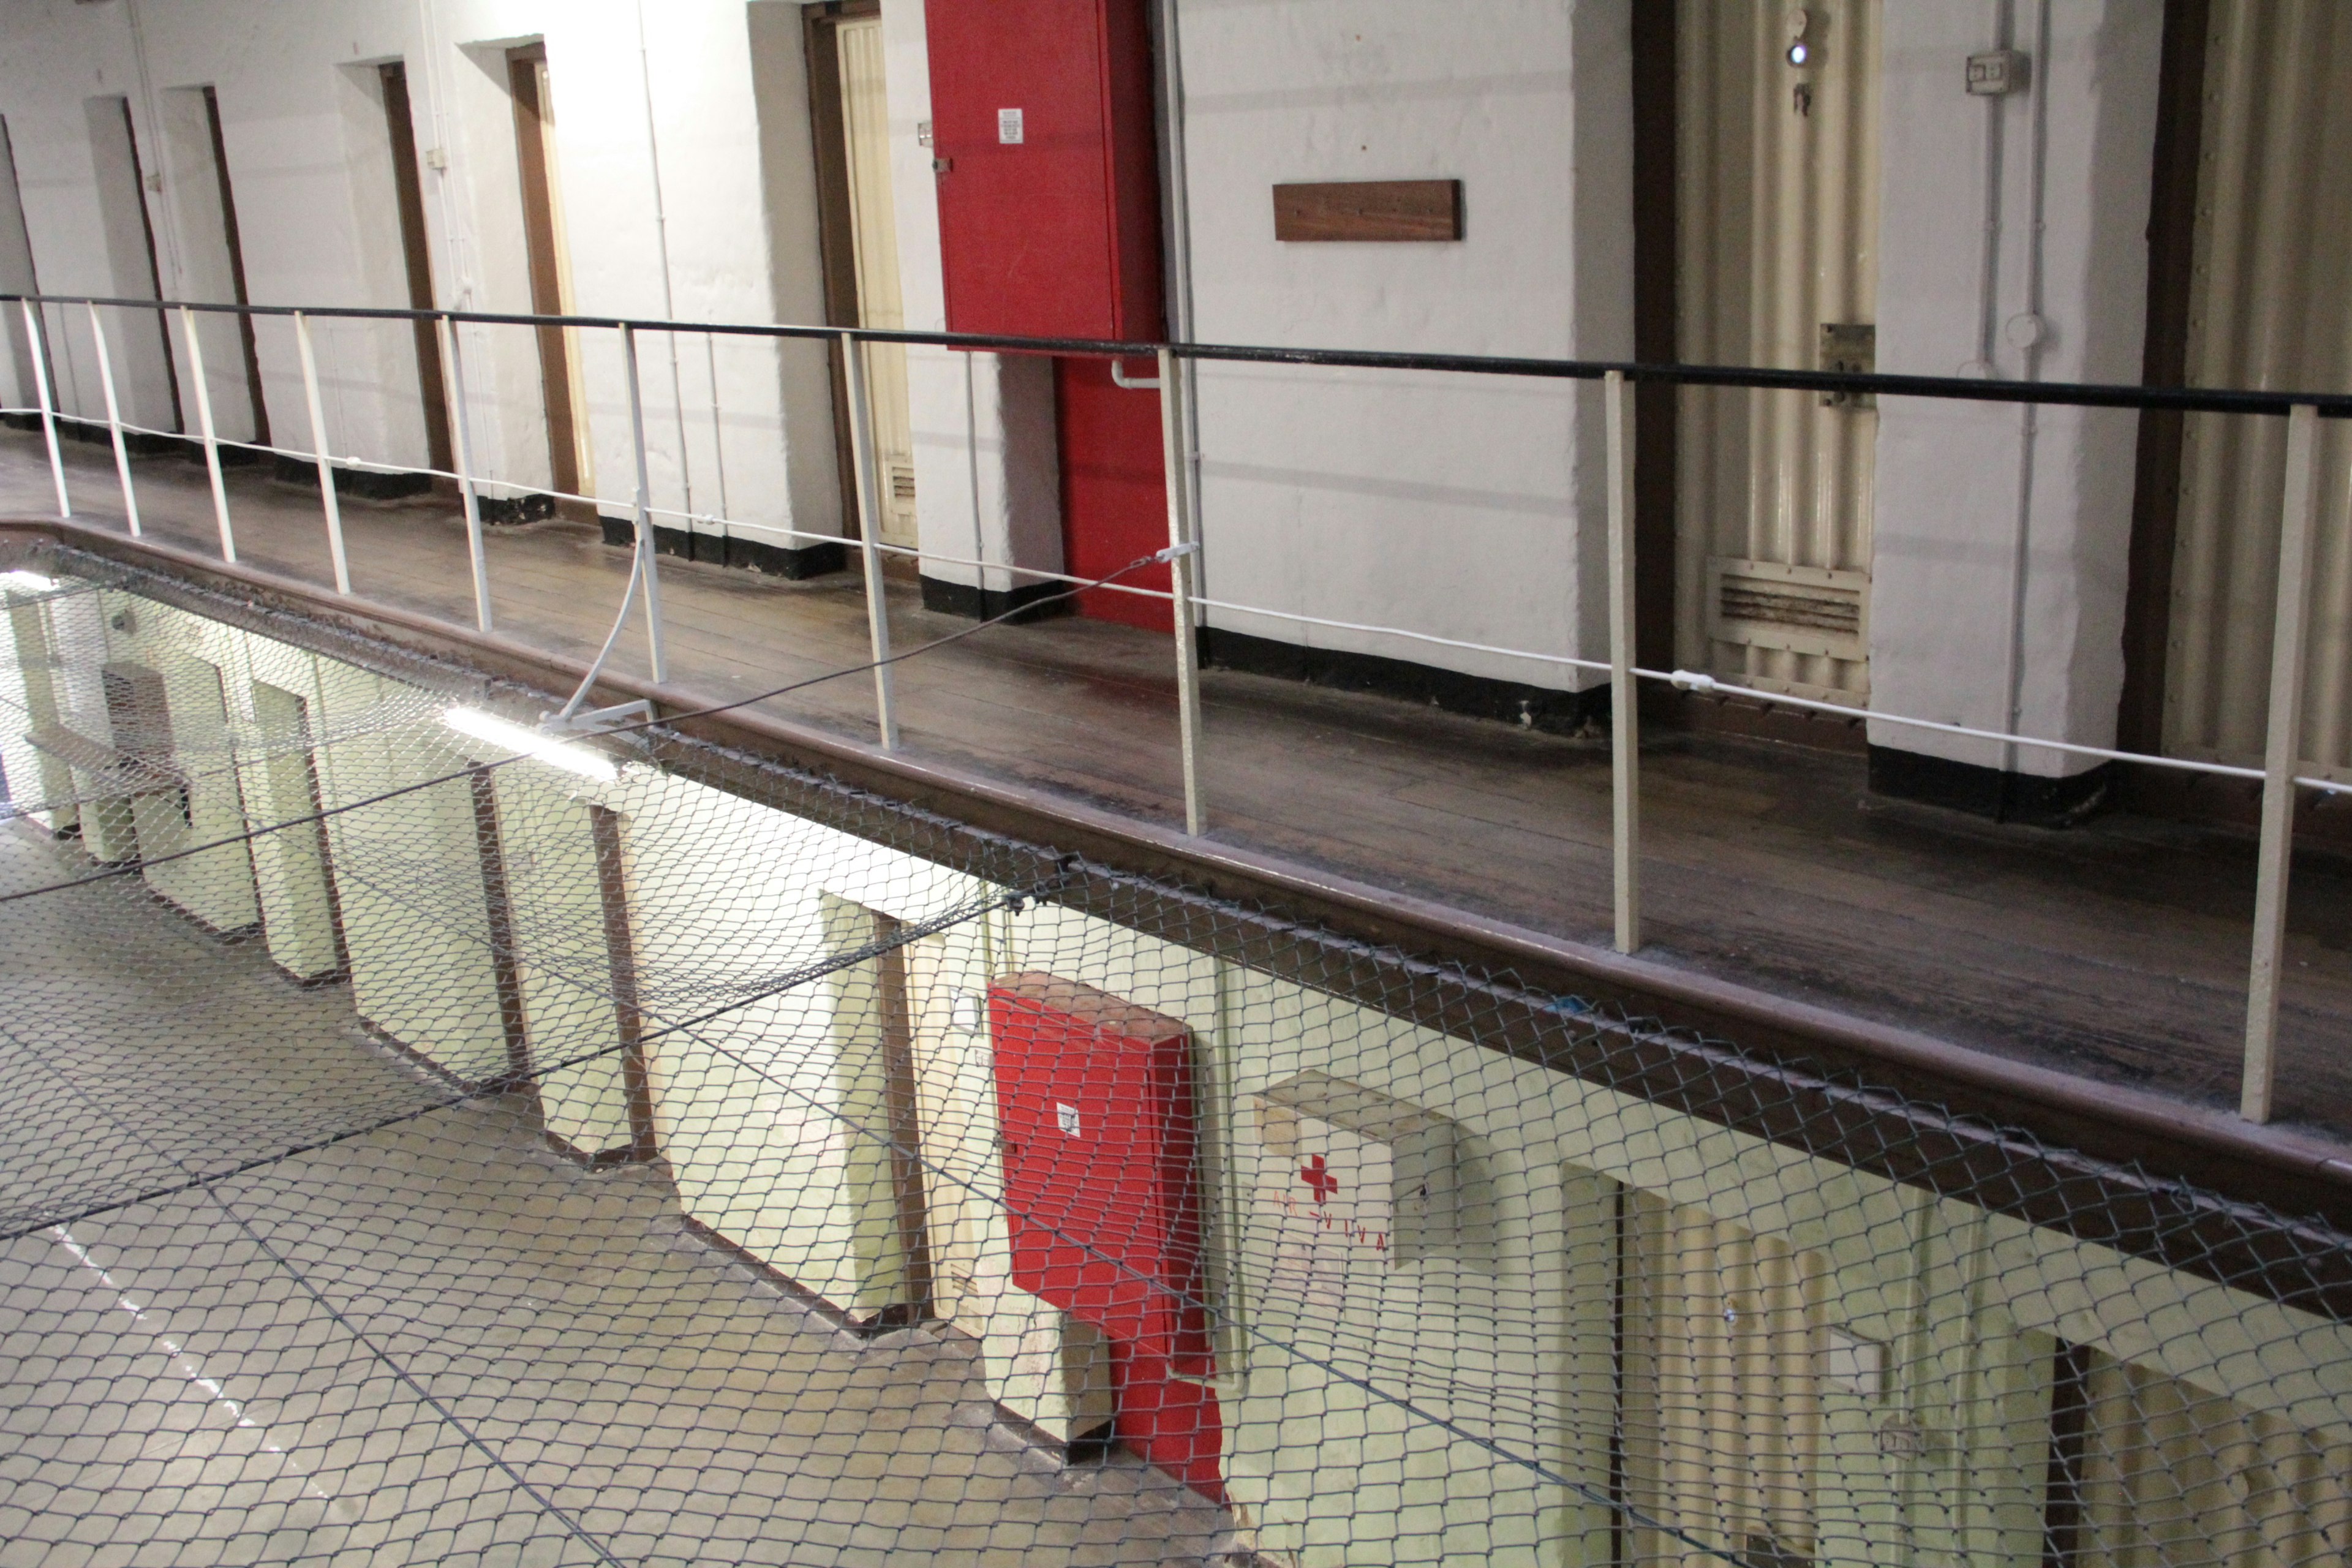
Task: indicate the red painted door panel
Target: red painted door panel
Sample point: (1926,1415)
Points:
(1114,490)
(1095,1100)
(1049,203)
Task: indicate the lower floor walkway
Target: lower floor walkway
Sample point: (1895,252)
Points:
(438,1341)
(2115,951)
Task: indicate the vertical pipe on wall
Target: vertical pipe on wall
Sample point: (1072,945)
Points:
(1180,578)
(2283,745)
(327,499)
(204,430)
(463,424)
(1624,698)
(1177,222)
(646,566)
(869,544)
(48,403)
(114,421)
(2027,330)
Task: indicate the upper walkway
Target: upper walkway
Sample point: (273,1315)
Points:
(2115,950)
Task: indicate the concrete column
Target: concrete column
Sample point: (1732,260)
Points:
(1954,479)
(1469,508)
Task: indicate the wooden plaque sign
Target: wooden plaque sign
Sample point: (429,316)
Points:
(1370,210)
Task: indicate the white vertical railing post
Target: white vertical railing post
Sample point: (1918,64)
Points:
(481,560)
(1624,696)
(205,429)
(114,421)
(2283,745)
(869,546)
(48,403)
(647,556)
(1185,584)
(327,498)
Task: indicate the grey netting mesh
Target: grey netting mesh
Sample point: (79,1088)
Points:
(427,1143)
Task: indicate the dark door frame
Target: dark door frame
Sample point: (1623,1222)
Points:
(538,179)
(416,253)
(154,269)
(229,233)
(2171,256)
(836,220)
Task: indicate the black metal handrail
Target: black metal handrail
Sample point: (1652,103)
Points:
(1954,388)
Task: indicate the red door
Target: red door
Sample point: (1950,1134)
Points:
(1114,490)
(1095,1099)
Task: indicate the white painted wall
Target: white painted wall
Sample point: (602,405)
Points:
(650,145)
(1334,1450)
(1463,508)
(1951,476)
(1441,504)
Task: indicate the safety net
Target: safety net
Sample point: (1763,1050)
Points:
(433,1139)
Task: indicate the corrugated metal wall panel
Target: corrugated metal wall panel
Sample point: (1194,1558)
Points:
(2173,1476)
(1722,1427)
(1778,233)
(2268,295)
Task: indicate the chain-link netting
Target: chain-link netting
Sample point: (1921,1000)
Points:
(430,1142)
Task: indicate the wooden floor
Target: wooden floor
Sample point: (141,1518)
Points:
(2115,951)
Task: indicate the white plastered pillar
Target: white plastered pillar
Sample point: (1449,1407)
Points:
(1955,478)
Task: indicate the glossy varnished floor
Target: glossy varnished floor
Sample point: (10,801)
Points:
(2116,951)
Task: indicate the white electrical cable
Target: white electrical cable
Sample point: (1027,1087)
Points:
(1683,679)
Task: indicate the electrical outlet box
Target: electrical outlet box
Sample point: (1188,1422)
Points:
(1996,72)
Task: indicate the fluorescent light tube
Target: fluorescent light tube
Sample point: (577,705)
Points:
(582,759)
(31,582)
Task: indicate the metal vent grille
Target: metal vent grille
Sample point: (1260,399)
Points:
(902,481)
(1801,609)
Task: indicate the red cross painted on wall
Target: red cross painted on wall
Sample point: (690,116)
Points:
(1319,1179)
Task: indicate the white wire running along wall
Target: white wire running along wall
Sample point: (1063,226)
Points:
(2306,524)
(433,1139)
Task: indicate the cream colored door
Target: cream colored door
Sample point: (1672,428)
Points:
(874,228)
(2274,259)
(1777,226)
(2171,1475)
(1723,1438)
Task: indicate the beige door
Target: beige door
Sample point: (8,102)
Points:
(874,228)
(2272,264)
(1723,1332)
(2170,1474)
(1778,225)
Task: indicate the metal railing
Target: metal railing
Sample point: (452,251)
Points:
(2278,774)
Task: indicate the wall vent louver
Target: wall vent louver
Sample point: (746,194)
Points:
(1798,609)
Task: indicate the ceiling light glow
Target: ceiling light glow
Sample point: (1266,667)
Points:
(31,582)
(587,763)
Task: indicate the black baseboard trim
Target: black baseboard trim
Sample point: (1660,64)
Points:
(979,604)
(1992,793)
(137,443)
(1474,696)
(716,549)
(531,506)
(360,484)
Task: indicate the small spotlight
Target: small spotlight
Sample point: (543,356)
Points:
(514,737)
(1799,28)
(31,582)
